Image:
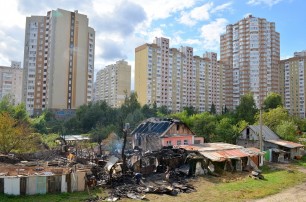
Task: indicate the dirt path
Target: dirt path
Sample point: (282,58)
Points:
(294,194)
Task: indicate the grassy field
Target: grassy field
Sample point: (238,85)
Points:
(229,187)
(301,162)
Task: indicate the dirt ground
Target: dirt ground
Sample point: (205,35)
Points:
(294,194)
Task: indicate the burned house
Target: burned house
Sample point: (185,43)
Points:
(154,133)
(277,149)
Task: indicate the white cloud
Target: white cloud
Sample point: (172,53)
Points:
(161,9)
(202,13)
(211,33)
(266,2)
(196,14)
(222,7)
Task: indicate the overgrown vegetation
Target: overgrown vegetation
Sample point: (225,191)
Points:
(99,120)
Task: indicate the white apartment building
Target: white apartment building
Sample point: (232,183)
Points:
(11,82)
(250,51)
(58,61)
(113,83)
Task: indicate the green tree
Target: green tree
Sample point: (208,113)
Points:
(246,110)
(204,125)
(16,136)
(148,111)
(226,131)
(100,133)
(18,112)
(212,108)
(287,130)
(224,110)
(163,111)
(274,117)
(182,116)
(272,101)
(190,110)
(127,109)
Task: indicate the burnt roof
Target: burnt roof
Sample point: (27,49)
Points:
(150,127)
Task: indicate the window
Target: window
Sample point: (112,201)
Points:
(185,142)
(179,142)
(169,143)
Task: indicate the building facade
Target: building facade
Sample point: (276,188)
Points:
(58,61)
(11,82)
(113,83)
(250,51)
(293,72)
(176,78)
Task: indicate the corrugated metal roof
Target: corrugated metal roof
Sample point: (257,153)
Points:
(267,133)
(253,151)
(233,153)
(222,151)
(214,156)
(285,143)
(217,146)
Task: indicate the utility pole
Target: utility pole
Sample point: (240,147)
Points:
(260,130)
(125,132)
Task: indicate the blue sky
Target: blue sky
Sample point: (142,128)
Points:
(122,25)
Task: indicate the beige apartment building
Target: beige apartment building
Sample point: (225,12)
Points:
(58,61)
(113,83)
(11,82)
(250,53)
(176,78)
(293,71)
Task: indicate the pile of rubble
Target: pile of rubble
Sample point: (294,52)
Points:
(257,175)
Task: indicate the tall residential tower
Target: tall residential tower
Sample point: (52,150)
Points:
(11,81)
(113,83)
(58,61)
(175,78)
(250,51)
(293,84)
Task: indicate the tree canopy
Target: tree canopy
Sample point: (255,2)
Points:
(272,101)
(16,136)
(247,109)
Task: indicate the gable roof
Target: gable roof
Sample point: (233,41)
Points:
(156,126)
(153,127)
(267,133)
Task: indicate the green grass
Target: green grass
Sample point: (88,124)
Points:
(64,197)
(274,182)
(301,162)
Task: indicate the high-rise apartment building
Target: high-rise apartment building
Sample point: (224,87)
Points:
(293,71)
(113,83)
(175,78)
(250,52)
(58,61)
(11,81)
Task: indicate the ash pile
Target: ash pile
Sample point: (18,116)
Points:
(166,171)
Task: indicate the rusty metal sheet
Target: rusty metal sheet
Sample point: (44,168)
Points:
(285,143)
(112,160)
(234,153)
